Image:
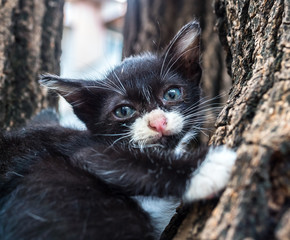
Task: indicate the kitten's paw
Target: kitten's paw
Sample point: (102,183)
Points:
(212,175)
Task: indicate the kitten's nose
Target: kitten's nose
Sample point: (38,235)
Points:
(158,124)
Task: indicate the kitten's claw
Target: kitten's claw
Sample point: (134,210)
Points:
(212,175)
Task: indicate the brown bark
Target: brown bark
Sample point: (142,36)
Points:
(255,121)
(30,34)
(150,24)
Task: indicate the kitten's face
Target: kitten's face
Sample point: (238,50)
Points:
(147,107)
(146,100)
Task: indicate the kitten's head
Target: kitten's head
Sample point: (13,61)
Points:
(147,99)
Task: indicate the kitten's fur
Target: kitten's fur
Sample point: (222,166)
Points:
(59,183)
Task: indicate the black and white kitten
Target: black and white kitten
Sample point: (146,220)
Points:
(123,178)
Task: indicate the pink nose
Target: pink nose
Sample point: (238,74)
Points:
(158,124)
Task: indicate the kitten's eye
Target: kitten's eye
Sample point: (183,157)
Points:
(124,112)
(173,94)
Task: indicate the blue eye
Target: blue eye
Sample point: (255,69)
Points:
(173,94)
(124,112)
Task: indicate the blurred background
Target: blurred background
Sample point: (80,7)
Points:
(92,36)
(92,43)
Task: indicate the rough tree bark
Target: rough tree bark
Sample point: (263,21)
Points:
(255,121)
(150,25)
(30,35)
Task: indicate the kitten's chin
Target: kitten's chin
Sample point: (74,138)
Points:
(168,142)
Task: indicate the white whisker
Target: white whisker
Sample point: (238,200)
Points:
(117,140)
(166,54)
(121,85)
(202,103)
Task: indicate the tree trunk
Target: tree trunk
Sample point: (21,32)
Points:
(30,35)
(255,121)
(150,25)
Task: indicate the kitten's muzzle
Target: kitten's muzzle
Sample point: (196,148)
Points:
(154,125)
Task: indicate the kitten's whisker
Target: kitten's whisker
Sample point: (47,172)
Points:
(222,94)
(196,108)
(208,107)
(68,93)
(199,128)
(204,133)
(153,145)
(76,103)
(166,54)
(172,76)
(105,87)
(206,112)
(147,93)
(117,140)
(108,85)
(206,99)
(126,126)
(206,104)
(202,103)
(112,84)
(206,115)
(119,81)
(198,123)
(142,145)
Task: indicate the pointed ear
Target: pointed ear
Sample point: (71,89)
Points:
(70,89)
(75,92)
(182,55)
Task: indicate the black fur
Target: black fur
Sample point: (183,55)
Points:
(59,183)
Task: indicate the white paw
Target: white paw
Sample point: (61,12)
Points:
(212,175)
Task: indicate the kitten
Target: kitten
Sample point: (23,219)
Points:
(124,176)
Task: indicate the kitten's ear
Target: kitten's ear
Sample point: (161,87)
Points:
(70,89)
(76,93)
(182,55)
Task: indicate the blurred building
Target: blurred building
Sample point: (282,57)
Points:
(92,37)
(92,42)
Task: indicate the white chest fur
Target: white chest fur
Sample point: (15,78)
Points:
(160,210)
